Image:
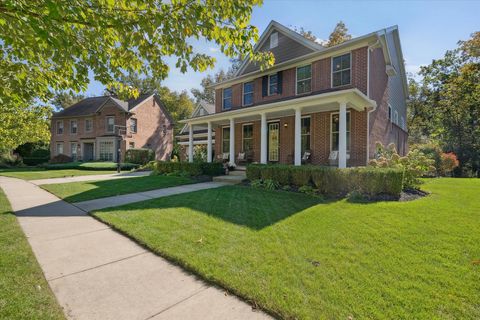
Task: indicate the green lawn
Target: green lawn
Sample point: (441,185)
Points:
(24,292)
(88,190)
(303,259)
(38,173)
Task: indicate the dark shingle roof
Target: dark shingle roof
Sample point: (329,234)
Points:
(90,105)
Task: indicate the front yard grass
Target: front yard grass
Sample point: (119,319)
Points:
(88,190)
(39,173)
(301,258)
(24,292)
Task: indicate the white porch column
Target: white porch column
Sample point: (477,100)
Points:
(342,141)
(232,142)
(263,139)
(209,142)
(190,143)
(298,137)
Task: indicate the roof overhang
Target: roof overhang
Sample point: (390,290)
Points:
(328,101)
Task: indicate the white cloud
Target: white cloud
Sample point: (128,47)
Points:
(213,49)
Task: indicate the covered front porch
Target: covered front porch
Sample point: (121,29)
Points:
(285,131)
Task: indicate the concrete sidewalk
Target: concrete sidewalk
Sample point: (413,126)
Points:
(115,201)
(97,273)
(95,177)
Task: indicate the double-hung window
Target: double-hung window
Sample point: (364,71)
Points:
(73,126)
(59,148)
(227,98)
(247,142)
(73,150)
(272,84)
(110,124)
(225,139)
(59,127)
(88,125)
(341,70)
(248,93)
(335,131)
(133,125)
(305,134)
(304,79)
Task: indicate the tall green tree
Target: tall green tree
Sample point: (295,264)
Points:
(339,35)
(453,95)
(64,99)
(52,45)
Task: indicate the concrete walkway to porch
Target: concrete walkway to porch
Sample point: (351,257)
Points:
(96,273)
(96,177)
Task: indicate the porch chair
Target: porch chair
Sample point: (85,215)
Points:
(333,158)
(245,157)
(307,157)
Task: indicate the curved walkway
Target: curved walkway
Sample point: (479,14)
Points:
(97,273)
(95,177)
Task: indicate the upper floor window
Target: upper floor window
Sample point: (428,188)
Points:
(304,79)
(272,84)
(227,98)
(110,124)
(73,126)
(273,40)
(341,69)
(335,131)
(60,127)
(248,93)
(390,112)
(133,125)
(88,125)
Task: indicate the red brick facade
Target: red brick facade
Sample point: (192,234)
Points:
(319,138)
(154,130)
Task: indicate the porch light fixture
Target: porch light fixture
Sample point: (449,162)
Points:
(285,125)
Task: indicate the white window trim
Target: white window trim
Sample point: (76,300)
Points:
(331,70)
(243,93)
(395,117)
(268,84)
(71,149)
(296,80)
(304,117)
(223,98)
(56,148)
(72,121)
(348,130)
(136,125)
(273,44)
(56,127)
(86,120)
(223,138)
(106,124)
(243,132)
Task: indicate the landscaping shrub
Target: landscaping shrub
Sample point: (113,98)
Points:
(301,175)
(61,158)
(139,155)
(449,162)
(8,160)
(415,164)
(191,168)
(270,184)
(35,161)
(254,171)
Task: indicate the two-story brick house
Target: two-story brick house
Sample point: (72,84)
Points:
(94,128)
(332,102)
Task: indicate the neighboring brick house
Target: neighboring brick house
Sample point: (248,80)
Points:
(332,102)
(95,127)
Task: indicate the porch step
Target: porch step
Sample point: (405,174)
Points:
(237,173)
(240,168)
(232,179)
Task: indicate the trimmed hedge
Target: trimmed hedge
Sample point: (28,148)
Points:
(139,155)
(332,181)
(191,168)
(35,161)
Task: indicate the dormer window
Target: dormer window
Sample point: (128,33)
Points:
(273,40)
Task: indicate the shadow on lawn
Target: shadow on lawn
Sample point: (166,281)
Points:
(111,188)
(245,206)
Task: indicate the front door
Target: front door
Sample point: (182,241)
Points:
(273,141)
(87,151)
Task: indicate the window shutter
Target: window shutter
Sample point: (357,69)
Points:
(279,82)
(264,86)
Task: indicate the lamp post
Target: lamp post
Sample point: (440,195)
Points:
(118,128)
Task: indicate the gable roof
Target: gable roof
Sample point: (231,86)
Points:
(202,105)
(295,46)
(91,105)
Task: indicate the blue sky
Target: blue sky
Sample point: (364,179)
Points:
(427,29)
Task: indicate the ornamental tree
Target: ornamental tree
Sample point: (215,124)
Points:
(52,45)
